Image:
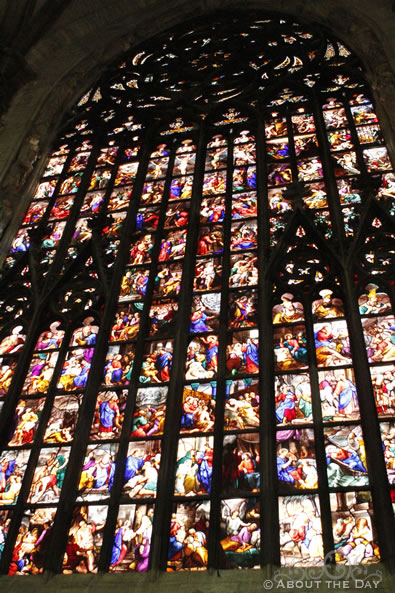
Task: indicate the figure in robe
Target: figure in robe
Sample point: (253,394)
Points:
(205,471)
(109,415)
(198,321)
(250,356)
(163,362)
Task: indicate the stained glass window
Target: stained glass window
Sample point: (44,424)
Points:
(197,333)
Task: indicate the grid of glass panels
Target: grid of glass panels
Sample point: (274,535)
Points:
(181,350)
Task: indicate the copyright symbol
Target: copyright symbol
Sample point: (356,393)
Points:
(268,585)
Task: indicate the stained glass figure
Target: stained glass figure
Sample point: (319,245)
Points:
(186,146)
(173,246)
(210,240)
(35,213)
(33,542)
(126,174)
(7,371)
(278,149)
(214,183)
(369,134)
(100,178)
(290,348)
(177,215)
(388,437)
(63,418)
(279,174)
(13,343)
(293,399)
(163,316)
(212,210)
(383,389)
(300,522)
(208,274)
(97,474)
(142,469)
(5,520)
(158,359)
(346,456)
(340,140)
(157,168)
(244,154)
(278,203)
(244,205)
(345,163)
(107,155)
(194,466)
(328,305)
(109,413)
(82,232)
(244,179)
(184,164)
(338,394)
(242,310)
(296,466)
(244,270)
(126,322)
(49,475)
(61,208)
(335,118)
(242,404)
(303,123)
(12,468)
(379,333)
(240,532)
(364,114)
(52,238)
(92,203)
(216,158)
(119,365)
(181,188)
(134,284)
(119,199)
(198,407)
(40,373)
(310,169)
(140,250)
(373,301)
(332,344)
(306,145)
(348,194)
(26,419)
(353,530)
(289,311)
(149,413)
(243,236)
(276,127)
(188,537)
(242,353)
(84,539)
(55,166)
(202,358)
(132,539)
(205,313)
(168,280)
(376,159)
(240,463)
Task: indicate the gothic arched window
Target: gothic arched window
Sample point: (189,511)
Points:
(197,334)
